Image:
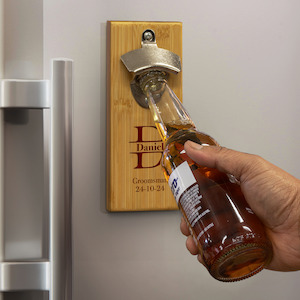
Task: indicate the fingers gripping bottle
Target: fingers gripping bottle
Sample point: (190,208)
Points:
(230,238)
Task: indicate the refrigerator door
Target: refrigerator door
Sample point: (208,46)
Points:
(35,160)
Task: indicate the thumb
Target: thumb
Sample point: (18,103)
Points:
(232,162)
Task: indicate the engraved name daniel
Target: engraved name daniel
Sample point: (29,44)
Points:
(147,147)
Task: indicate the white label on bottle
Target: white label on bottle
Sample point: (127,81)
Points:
(181,179)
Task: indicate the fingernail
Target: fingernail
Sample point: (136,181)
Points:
(194,145)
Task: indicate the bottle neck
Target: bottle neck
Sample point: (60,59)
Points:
(168,113)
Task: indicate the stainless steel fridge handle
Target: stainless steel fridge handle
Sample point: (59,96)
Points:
(61,179)
(20,275)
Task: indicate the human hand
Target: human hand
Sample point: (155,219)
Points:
(273,194)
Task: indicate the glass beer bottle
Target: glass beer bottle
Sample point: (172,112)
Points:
(230,238)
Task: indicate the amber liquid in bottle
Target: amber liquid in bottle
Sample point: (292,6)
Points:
(230,238)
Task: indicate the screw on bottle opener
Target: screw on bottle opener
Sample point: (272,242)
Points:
(148,36)
(149,59)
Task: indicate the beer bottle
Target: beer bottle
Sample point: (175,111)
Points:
(230,237)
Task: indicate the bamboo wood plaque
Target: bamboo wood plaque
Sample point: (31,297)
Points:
(135,180)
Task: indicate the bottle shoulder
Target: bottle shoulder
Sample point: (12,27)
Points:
(174,154)
(183,135)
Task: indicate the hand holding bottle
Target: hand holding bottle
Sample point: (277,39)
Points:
(231,239)
(272,194)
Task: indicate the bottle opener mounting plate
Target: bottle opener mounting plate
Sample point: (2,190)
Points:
(135,180)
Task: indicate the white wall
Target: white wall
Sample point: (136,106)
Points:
(241,75)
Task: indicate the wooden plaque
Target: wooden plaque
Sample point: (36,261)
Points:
(135,180)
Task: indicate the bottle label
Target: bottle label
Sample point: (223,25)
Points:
(181,179)
(186,190)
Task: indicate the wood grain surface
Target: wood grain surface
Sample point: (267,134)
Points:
(135,181)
